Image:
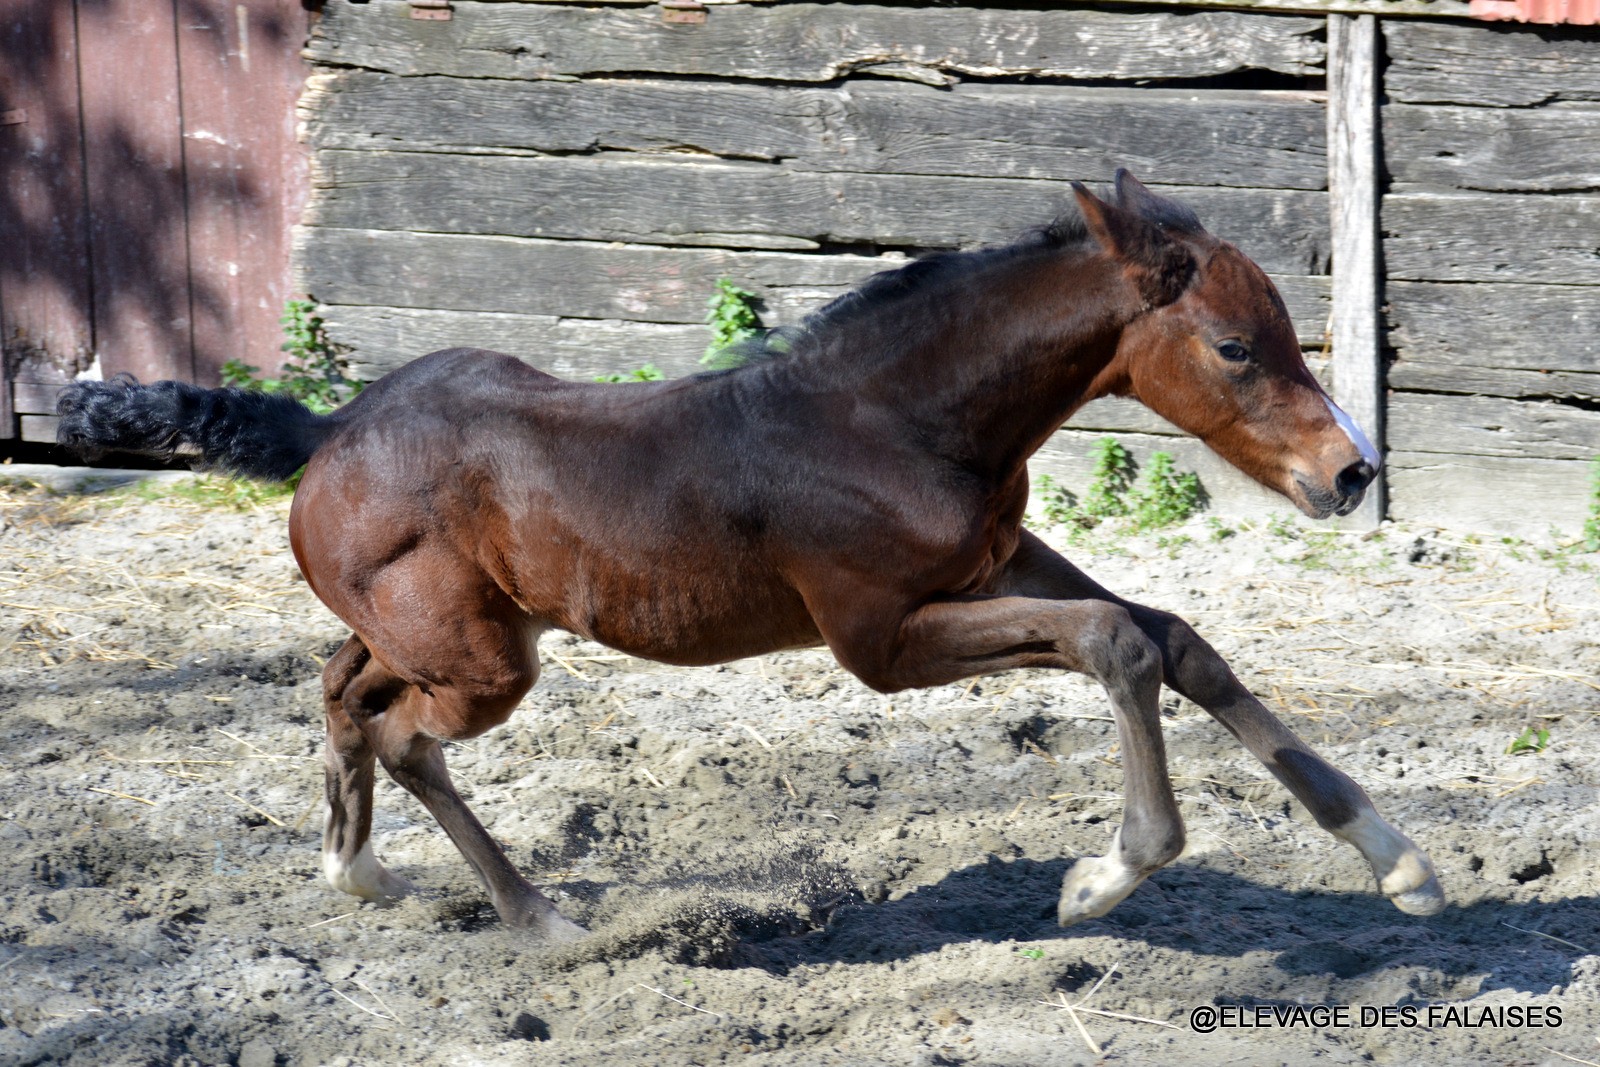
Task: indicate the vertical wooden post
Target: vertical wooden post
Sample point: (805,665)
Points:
(1353,194)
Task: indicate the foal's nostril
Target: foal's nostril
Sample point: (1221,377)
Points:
(1354,478)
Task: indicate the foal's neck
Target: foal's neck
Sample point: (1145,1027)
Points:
(1004,358)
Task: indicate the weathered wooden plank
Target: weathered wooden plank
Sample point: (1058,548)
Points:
(1492,426)
(1218,137)
(1483,237)
(1524,327)
(1067,458)
(391,268)
(626,197)
(814,42)
(1115,414)
(1424,376)
(1541,149)
(1481,65)
(1353,195)
(563,278)
(36,398)
(38,429)
(1487,493)
(381,339)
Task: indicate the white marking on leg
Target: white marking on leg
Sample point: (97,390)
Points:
(1095,885)
(1352,431)
(1404,872)
(363,876)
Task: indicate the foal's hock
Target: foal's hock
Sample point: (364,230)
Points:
(862,488)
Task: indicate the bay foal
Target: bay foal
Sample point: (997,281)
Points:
(864,489)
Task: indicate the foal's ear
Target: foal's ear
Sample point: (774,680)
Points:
(1168,214)
(1154,260)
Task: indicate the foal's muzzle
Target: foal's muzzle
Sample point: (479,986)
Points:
(1340,498)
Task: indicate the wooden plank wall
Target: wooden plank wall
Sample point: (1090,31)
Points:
(567,182)
(1492,252)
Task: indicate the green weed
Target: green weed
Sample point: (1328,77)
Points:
(647,373)
(1530,740)
(1591,525)
(1056,502)
(1163,496)
(1109,482)
(731,314)
(1159,497)
(313,373)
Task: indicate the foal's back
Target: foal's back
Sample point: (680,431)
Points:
(568,505)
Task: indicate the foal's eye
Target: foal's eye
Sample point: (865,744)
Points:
(1233,351)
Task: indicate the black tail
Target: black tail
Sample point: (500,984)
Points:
(258,435)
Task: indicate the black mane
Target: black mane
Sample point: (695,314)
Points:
(926,277)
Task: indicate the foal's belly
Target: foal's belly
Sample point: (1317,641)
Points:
(685,620)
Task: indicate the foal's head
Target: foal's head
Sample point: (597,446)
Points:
(1214,352)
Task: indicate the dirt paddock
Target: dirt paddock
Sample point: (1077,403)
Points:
(778,865)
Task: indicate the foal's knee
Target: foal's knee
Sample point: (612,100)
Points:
(1115,648)
(1189,663)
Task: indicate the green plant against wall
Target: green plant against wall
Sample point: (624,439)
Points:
(1157,497)
(313,373)
(731,313)
(1591,525)
(1164,496)
(1109,482)
(647,373)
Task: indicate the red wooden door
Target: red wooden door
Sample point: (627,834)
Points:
(149,177)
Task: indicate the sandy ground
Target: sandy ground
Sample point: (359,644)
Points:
(780,866)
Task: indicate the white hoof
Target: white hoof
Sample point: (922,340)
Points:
(1404,872)
(365,877)
(1094,886)
(1426,899)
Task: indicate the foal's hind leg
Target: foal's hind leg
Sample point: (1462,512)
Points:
(1193,668)
(347,857)
(403,721)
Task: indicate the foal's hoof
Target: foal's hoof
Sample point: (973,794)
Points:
(541,919)
(1411,884)
(551,928)
(559,931)
(363,876)
(1094,886)
(1426,899)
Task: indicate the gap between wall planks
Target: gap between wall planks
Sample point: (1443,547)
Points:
(1353,197)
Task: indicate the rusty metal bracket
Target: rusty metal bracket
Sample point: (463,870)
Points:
(689,12)
(431,10)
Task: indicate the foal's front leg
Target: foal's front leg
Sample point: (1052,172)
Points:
(1193,668)
(946,641)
